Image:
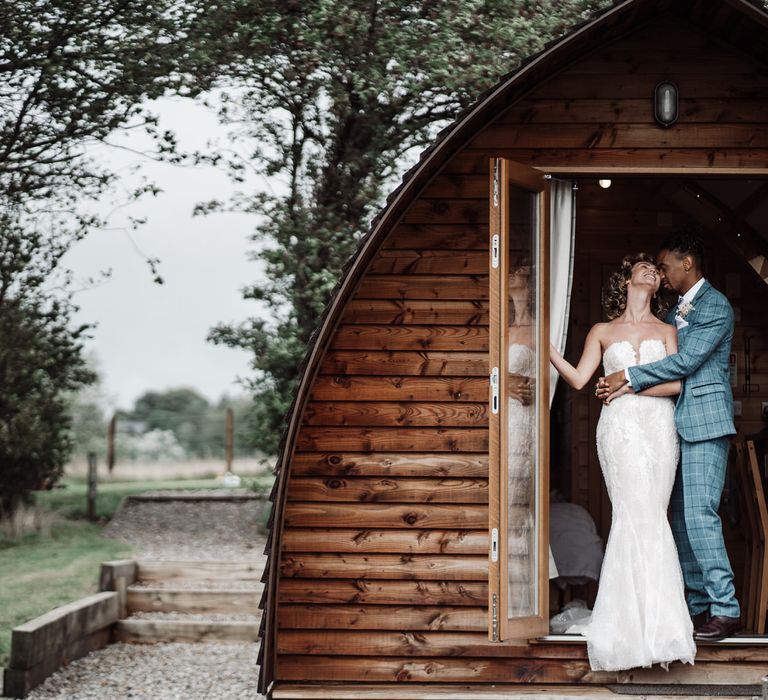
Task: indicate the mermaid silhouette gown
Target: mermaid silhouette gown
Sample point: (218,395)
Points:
(640,615)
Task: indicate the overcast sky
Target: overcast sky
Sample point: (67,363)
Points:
(151,336)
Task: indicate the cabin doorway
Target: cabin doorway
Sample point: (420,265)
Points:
(628,215)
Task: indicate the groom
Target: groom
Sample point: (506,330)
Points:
(703,416)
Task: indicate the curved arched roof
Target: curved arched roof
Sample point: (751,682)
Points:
(602,26)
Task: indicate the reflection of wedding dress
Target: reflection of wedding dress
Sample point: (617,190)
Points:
(521,535)
(640,616)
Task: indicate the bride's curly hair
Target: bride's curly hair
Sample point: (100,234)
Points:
(615,296)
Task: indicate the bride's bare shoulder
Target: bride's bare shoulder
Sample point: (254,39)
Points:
(600,331)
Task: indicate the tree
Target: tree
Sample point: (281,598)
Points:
(181,411)
(331,97)
(40,361)
(74,71)
(198,426)
(71,73)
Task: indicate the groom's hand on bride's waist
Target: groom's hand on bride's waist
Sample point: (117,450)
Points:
(521,388)
(606,387)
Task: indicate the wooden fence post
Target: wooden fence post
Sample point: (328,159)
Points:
(111,443)
(91,485)
(230,438)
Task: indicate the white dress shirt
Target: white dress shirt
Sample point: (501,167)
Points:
(687,297)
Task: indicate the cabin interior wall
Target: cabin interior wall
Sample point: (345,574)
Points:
(636,215)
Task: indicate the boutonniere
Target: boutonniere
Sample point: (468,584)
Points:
(685,308)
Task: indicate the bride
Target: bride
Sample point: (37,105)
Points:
(640,615)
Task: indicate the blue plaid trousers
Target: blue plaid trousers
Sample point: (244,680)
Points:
(697,528)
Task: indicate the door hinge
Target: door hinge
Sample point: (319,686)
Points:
(495,544)
(494,381)
(495,617)
(495,250)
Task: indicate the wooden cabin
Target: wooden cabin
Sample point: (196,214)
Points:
(388,559)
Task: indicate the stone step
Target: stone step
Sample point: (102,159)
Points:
(188,629)
(192,600)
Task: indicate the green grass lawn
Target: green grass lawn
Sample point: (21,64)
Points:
(71,499)
(40,573)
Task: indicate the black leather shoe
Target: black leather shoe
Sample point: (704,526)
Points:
(716,628)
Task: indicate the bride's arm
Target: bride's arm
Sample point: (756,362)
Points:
(672,388)
(578,376)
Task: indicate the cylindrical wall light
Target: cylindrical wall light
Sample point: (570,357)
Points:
(665,101)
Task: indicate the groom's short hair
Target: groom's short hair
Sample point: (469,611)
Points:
(686,241)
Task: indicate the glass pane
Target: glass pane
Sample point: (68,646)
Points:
(522,429)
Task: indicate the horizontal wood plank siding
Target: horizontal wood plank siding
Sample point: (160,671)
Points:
(381,515)
(413,566)
(364,388)
(391,464)
(411,337)
(384,592)
(383,413)
(386,541)
(366,490)
(426,363)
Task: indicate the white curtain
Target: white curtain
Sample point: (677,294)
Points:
(563,199)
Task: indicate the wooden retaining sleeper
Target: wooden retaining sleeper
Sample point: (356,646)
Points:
(43,645)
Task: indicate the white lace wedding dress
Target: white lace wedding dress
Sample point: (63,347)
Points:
(640,616)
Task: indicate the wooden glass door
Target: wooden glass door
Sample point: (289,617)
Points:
(519,402)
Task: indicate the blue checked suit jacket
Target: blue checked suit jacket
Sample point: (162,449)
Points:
(704,409)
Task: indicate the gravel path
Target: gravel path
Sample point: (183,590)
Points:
(178,530)
(158,672)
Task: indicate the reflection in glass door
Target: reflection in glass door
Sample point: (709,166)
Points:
(520,419)
(519,401)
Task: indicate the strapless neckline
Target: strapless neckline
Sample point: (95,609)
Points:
(622,354)
(637,351)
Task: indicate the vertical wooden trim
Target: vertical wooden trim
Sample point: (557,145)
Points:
(542,390)
(503,340)
(497,197)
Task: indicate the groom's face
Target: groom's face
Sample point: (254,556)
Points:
(670,266)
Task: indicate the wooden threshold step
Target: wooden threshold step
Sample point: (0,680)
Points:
(400,691)
(191,600)
(164,571)
(152,631)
